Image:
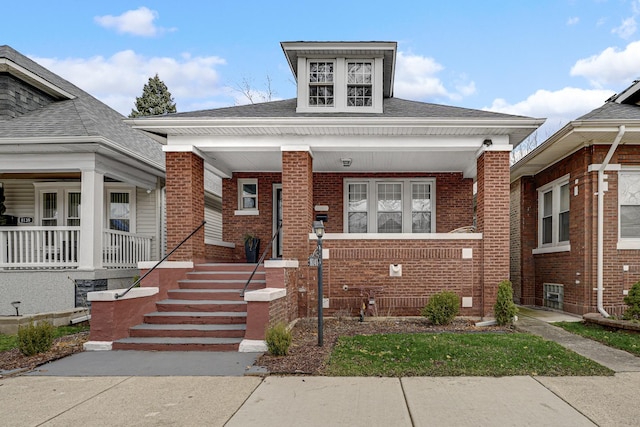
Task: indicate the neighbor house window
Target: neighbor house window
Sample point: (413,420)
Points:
(390,206)
(248,194)
(360,84)
(629,205)
(553,214)
(321,84)
(57,204)
(120,211)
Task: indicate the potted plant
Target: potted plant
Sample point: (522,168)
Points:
(251,247)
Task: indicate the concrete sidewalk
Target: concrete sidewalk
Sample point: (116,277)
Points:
(319,401)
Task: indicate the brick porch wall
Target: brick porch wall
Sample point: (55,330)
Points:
(185,205)
(428,267)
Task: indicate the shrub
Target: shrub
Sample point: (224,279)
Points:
(504,309)
(278,339)
(633,302)
(442,308)
(35,338)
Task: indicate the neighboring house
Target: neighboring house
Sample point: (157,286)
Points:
(83,191)
(575,212)
(393,180)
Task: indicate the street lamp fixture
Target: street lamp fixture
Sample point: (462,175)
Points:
(318,228)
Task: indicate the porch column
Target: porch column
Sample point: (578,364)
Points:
(297,202)
(185,205)
(91,220)
(493,223)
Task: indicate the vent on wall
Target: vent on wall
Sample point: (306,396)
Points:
(553,295)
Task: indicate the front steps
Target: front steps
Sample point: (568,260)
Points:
(206,312)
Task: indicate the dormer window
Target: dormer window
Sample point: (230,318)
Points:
(321,84)
(360,84)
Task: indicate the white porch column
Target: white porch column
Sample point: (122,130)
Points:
(91,220)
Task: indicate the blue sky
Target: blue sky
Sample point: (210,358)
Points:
(552,59)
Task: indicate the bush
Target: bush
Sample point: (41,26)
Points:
(35,338)
(504,309)
(633,302)
(442,308)
(278,339)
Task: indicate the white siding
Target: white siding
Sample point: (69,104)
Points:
(19,198)
(213,217)
(146,219)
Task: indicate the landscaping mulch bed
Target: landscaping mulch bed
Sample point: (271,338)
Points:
(306,357)
(14,361)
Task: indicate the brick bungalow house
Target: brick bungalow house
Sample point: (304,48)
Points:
(575,212)
(393,180)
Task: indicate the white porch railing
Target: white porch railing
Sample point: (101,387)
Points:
(124,250)
(39,247)
(25,248)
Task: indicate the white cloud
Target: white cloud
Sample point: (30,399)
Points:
(119,79)
(611,66)
(573,20)
(139,22)
(558,107)
(626,29)
(416,78)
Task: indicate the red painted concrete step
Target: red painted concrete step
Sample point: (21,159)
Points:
(185,305)
(178,344)
(206,294)
(220,284)
(188,330)
(196,318)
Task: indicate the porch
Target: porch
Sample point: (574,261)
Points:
(42,247)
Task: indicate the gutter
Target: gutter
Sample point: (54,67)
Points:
(601,191)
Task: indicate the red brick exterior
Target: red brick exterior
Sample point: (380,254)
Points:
(493,222)
(185,205)
(577,269)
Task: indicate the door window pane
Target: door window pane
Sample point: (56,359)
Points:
(119,211)
(50,209)
(73,208)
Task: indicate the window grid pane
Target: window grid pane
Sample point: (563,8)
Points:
(630,205)
(321,84)
(73,207)
(357,208)
(249,196)
(390,208)
(49,209)
(119,211)
(421,208)
(359,84)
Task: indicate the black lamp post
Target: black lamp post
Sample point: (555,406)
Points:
(318,228)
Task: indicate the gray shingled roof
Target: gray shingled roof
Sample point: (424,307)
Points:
(613,111)
(79,117)
(393,107)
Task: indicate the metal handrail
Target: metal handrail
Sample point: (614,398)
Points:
(262,257)
(134,284)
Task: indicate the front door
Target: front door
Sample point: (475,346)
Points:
(277,219)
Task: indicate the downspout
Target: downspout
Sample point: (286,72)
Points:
(601,191)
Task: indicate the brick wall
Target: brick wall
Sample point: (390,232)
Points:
(185,205)
(17,97)
(428,267)
(577,269)
(215,253)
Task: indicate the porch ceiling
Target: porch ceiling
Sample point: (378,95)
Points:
(398,160)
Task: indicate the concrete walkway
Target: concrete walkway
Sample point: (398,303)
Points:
(44,400)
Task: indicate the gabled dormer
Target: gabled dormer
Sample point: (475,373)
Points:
(337,77)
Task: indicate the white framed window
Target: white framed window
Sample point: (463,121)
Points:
(321,81)
(359,83)
(629,210)
(247,197)
(553,216)
(389,206)
(57,204)
(120,207)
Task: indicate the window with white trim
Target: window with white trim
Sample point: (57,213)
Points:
(119,211)
(248,194)
(321,83)
(629,205)
(359,83)
(553,213)
(57,204)
(389,206)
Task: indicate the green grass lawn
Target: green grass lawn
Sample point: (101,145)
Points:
(9,342)
(452,354)
(618,338)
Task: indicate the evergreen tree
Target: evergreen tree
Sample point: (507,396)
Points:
(155,100)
